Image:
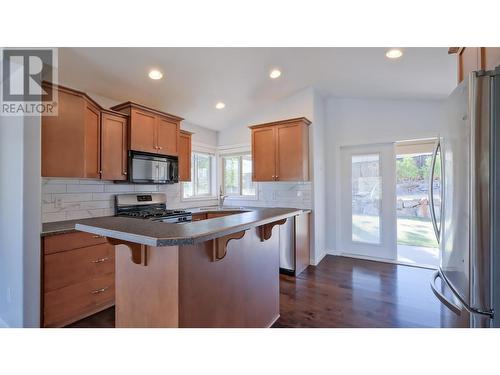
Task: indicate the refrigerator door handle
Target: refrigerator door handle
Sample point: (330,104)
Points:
(431,192)
(457,309)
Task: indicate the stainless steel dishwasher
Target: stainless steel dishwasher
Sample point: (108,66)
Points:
(287,246)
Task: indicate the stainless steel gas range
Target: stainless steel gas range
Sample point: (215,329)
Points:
(149,206)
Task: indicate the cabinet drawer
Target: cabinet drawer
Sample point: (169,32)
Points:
(74,302)
(69,241)
(198,217)
(212,215)
(75,266)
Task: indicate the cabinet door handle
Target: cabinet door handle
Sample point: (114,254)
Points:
(98,291)
(100,260)
(124,173)
(160,148)
(277,178)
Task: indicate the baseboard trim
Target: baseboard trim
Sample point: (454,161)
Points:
(3,324)
(274,321)
(285,271)
(318,261)
(373,259)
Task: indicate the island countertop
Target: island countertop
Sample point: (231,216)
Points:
(157,234)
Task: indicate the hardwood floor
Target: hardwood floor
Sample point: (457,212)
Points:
(347,292)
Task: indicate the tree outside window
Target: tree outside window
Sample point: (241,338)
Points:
(237,175)
(202,170)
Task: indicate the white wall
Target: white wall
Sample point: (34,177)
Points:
(306,103)
(20,221)
(11,221)
(369,121)
(318,175)
(298,105)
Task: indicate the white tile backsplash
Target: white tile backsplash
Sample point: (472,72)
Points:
(279,194)
(67,199)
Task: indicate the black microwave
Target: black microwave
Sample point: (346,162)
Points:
(145,168)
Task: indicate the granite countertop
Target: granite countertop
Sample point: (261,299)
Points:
(68,226)
(152,233)
(59,227)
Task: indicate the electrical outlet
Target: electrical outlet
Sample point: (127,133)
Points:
(58,202)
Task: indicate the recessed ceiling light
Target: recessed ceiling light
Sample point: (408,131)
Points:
(275,73)
(394,53)
(220,105)
(155,74)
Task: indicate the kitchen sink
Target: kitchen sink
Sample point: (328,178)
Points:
(217,208)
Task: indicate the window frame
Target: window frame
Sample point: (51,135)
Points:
(239,196)
(212,178)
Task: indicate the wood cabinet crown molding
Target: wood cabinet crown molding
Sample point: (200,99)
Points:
(470,59)
(454,50)
(282,122)
(84,95)
(129,104)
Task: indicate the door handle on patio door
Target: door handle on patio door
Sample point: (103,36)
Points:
(437,231)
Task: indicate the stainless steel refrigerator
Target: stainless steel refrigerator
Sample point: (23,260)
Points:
(467,223)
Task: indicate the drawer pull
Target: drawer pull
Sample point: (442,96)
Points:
(98,291)
(100,260)
(97,236)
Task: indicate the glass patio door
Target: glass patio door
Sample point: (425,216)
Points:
(368,204)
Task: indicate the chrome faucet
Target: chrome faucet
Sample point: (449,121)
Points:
(221,198)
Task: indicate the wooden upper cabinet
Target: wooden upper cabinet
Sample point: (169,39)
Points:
(471,59)
(143,131)
(151,130)
(491,57)
(92,141)
(185,156)
(280,150)
(114,158)
(263,154)
(292,152)
(168,136)
(83,140)
(71,140)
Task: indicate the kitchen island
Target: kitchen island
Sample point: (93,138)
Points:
(220,272)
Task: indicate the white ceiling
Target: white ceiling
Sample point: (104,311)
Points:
(196,78)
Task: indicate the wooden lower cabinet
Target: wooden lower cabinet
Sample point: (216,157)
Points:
(77,301)
(200,216)
(78,277)
(212,215)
